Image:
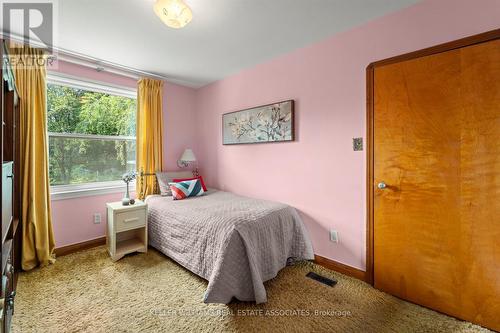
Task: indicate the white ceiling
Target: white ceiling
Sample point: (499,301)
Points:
(224,37)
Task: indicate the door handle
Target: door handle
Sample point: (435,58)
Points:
(381,185)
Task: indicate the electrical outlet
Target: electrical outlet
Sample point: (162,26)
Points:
(334,236)
(97,218)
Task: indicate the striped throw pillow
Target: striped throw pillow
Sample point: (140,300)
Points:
(185,189)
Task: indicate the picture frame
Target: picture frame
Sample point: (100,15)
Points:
(269,123)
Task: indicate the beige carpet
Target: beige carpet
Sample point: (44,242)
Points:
(87,292)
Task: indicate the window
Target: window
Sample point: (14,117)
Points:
(91,134)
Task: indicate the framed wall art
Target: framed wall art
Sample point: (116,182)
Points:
(261,124)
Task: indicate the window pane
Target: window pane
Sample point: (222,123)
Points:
(85,160)
(78,161)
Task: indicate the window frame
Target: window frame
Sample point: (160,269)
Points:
(59,192)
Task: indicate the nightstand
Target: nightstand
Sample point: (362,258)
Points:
(127,229)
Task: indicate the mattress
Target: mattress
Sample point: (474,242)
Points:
(234,242)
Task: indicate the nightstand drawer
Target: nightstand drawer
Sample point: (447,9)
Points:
(130,220)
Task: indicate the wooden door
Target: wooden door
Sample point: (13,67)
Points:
(436,147)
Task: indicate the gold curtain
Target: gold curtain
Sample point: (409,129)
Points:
(38,238)
(149,133)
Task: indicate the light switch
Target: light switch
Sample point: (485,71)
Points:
(357,144)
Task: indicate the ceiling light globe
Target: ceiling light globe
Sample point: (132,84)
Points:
(174,13)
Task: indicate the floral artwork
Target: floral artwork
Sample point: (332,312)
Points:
(267,123)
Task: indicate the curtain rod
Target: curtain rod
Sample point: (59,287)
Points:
(97,66)
(95,63)
(103,65)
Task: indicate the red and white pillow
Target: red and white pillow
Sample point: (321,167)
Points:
(188,188)
(192,178)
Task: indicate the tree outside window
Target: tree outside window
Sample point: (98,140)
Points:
(91,135)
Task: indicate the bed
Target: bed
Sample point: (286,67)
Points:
(234,242)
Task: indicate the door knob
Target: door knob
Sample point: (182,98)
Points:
(381,185)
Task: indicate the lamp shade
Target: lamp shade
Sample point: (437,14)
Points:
(188,156)
(174,13)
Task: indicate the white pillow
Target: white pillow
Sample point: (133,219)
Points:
(164,178)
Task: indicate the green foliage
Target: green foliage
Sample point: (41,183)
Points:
(63,108)
(75,160)
(107,115)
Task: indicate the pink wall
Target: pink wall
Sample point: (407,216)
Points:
(327,81)
(319,173)
(72,219)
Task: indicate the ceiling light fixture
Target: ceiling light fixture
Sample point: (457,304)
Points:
(174,13)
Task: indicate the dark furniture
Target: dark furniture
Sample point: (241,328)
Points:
(10,193)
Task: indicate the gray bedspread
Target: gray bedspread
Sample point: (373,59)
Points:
(234,242)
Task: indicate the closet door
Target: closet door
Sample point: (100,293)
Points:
(437,181)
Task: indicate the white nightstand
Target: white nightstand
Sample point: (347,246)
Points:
(127,229)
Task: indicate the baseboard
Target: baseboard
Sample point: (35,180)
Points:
(64,250)
(322,261)
(341,268)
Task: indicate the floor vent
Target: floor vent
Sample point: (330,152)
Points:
(322,279)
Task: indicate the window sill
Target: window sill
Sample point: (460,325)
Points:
(62,192)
